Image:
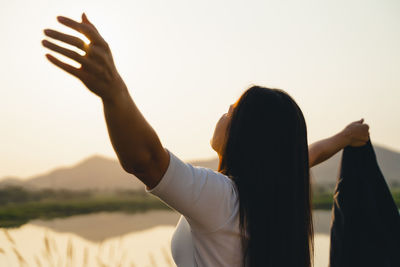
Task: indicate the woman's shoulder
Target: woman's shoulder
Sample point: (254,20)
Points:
(216,177)
(204,196)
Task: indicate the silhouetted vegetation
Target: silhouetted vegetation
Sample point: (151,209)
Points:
(324,199)
(18,206)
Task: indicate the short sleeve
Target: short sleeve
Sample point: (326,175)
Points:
(205,197)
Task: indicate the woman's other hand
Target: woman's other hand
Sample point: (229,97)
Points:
(357,133)
(97,70)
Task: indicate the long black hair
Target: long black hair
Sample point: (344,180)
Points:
(266,155)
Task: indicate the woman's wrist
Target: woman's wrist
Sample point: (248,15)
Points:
(344,137)
(117,94)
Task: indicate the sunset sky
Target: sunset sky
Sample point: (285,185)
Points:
(185,62)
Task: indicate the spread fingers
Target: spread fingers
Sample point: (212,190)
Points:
(69,39)
(64,51)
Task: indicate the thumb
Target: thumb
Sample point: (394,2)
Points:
(84,18)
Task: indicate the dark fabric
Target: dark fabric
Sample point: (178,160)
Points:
(365,228)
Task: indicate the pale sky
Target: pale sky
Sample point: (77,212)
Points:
(186,61)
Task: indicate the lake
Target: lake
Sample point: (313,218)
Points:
(111,239)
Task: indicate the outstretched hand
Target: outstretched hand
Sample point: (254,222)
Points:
(97,71)
(357,133)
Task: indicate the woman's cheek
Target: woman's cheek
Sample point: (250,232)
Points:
(222,130)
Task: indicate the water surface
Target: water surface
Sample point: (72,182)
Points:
(111,239)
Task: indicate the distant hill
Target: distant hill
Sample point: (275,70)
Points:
(11,181)
(93,173)
(102,173)
(325,174)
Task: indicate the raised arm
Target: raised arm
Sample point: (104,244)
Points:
(355,134)
(135,142)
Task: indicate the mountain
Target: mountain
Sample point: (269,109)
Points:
(94,173)
(102,173)
(325,174)
(210,163)
(11,181)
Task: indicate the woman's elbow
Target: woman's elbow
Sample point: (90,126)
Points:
(137,165)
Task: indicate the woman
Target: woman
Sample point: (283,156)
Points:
(256,210)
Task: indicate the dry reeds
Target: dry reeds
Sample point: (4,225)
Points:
(21,260)
(50,255)
(8,236)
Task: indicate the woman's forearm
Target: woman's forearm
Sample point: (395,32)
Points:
(326,148)
(354,134)
(135,142)
(133,139)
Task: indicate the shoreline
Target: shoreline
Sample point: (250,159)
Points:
(104,225)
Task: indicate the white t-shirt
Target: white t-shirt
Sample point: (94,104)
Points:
(207,233)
